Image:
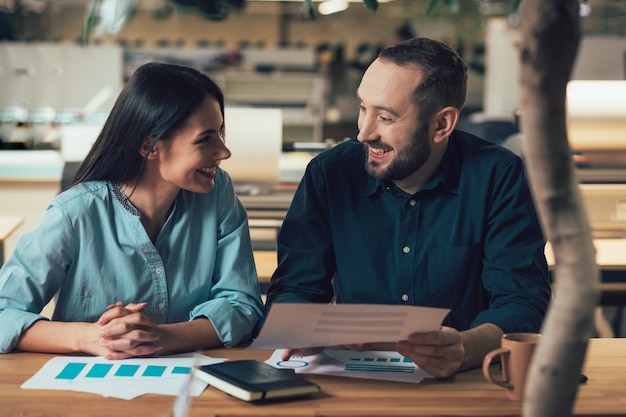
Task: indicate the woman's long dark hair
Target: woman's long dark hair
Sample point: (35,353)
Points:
(155,101)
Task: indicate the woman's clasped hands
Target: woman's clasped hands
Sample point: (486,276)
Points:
(126,332)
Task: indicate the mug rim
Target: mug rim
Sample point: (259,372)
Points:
(522,337)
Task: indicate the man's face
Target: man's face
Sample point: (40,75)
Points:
(396,144)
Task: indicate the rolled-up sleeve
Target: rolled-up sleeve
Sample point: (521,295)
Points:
(32,275)
(234,307)
(88,251)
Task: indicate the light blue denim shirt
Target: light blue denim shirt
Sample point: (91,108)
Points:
(89,251)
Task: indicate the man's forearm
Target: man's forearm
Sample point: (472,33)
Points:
(479,341)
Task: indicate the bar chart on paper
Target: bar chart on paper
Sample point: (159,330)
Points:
(372,364)
(126,379)
(80,370)
(373,361)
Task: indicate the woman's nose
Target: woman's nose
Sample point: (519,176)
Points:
(222,152)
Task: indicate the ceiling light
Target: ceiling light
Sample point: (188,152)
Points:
(332,6)
(322,1)
(584,9)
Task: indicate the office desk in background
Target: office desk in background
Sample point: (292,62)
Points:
(466,394)
(8,225)
(611,262)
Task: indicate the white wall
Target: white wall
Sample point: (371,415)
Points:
(599,57)
(59,76)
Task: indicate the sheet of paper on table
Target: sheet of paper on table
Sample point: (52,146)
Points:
(291,325)
(126,379)
(383,365)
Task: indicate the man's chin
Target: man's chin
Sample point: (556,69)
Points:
(374,168)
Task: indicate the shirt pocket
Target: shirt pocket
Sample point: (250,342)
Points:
(453,272)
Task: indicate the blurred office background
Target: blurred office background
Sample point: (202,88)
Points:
(63,62)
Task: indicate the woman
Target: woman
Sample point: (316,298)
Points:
(149,251)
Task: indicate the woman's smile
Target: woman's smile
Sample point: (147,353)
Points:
(208,172)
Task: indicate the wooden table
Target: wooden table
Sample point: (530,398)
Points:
(466,394)
(8,225)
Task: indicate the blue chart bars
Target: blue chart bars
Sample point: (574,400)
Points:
(73,370)
(127,378)
(127,370)
(379,364)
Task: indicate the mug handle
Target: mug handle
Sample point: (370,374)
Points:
(487,363)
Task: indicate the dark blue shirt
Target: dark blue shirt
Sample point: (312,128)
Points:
(468,240)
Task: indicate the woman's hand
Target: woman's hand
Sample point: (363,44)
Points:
(126,332)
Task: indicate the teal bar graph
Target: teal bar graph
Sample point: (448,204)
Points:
(154,370)
(181,370)
(71,370)
(380,364)
(74,370)
(99,370)
(127,370)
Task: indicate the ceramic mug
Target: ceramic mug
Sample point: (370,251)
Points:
(515,353)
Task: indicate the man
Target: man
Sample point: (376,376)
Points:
(414,212)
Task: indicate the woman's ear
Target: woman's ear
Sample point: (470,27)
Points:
(445,122)
(148,148)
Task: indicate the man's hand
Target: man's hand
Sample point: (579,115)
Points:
(125,332)
(439,353)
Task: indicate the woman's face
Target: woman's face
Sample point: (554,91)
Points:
(189,160)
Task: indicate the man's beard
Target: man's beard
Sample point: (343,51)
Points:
(407,160)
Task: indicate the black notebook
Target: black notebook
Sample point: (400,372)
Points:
(252,380)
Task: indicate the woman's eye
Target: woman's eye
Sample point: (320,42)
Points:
(205,139)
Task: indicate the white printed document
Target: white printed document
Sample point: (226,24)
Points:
(382,365)
(126,379)
(292,325)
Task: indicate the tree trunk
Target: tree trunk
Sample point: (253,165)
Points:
(550,38)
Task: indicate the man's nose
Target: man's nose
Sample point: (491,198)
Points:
(367,129)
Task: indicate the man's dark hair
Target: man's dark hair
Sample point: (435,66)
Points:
(445,73)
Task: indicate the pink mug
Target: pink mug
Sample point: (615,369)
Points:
(515,354)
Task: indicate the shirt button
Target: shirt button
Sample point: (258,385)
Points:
(412,202)
(406,249)
(158,270)
(161,306)
(405,297)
